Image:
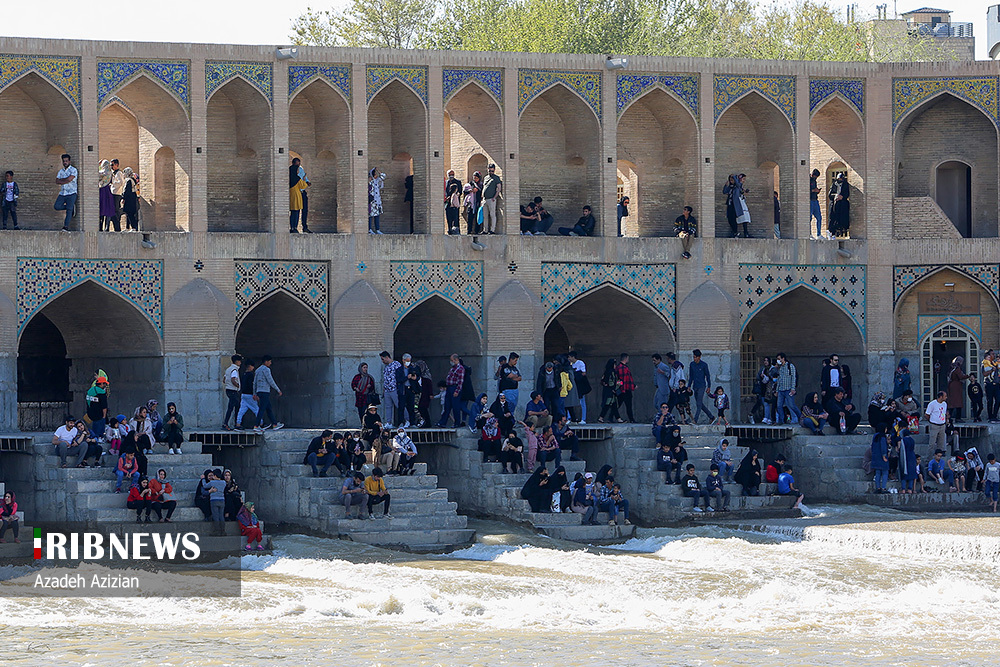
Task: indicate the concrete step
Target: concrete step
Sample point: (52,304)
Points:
(416,541)
(295,468)
(400,522)
(539,519)
(125,515)
(175,472)
(182,487)
(336,511)
(599,534)
(391,481)
(745,503)
(930,502)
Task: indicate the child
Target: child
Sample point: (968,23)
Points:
(714,489)
(663,458)
(723,458)
(721,404)
(442,390)
(774,469)
(356,449)
(680,398)
(957,465)
(920,476)
(786,486)
(9,194)
(975,398)
(113,437)
(692,489)
(677,458)
(532,440)
(510,454)
(992,481)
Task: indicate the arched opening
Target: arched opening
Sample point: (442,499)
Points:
(47,125)
(434,330)
(658,136)
(397,126)
(752,132)
(319,135)
(239,159)
(64,343)
(820,329)
(477,162)
(559,139)
(583,326)
(473,132)
(943,298)
(953,193)
(837,144)
(627,182)
(947,127)
(147,129)
(282,327)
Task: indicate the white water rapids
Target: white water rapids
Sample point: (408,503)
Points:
(848,586)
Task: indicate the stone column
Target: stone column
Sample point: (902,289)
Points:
(88,161)
(359,148)
(706,160)
(607,202)
(795,204)
(280,158)
(435,153)
(199,153)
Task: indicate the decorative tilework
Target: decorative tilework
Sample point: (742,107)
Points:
(852,90)
(563,282)
(904,277)
(454,79)
(63,73)
(219,72)
(307,282)
(339,77)
(460,283)
(981,92)
(532,82)
(113,74)
(114,99)
(778,89)
(40,280)
(631,86)
(380,76)
(844,285)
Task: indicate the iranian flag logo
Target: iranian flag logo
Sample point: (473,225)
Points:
(38,543)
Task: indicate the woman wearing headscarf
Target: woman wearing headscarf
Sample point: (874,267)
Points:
(901,379)
(106,200)
(475,199)
(748,474)
(363,386)
(201,500)
(536,490)
(489,434)
(250,527)
(622,212)
(233,496)
(504,413)
(878,412)
(8,516)
(840,209)
(296,185)
(371,426)
(956,388)
(376,182)
(130,200)
(173,429)
(814,415)
(142,426)
(880,460)
(610,385)
(907,462)
(426,392)
(605,472)
(736,204)
(559,483)
(154,418)
(163,493)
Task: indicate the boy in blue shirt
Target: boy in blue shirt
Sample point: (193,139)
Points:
(786,486)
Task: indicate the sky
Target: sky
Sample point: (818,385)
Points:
(260,22)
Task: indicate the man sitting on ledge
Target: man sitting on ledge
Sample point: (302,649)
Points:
(583,227)
(536,412)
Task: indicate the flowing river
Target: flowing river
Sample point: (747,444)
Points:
(846,586)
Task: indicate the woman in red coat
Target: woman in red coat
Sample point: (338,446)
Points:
(363,385)
(956,388)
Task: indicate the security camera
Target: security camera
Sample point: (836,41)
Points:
(616,63)
(286,53)
(476,245)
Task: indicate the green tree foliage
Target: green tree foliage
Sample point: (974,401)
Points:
(809,30)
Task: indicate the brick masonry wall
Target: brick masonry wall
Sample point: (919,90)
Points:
(836,143)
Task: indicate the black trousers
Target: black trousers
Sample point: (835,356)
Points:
(626,400)
(145,504)
(992,400)
(375,500)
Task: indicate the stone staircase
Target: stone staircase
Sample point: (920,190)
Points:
(502,494)
(669,498)
(921,218)
(423,520)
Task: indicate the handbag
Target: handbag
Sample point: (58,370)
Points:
(582,384)
(913,423)
(373,398)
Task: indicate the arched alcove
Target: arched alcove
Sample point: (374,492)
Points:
(560,153)
(473,132)
(397,126)
(47,125)
(837,137)
(239,159)
(750,133)
(657,137)
(435,329)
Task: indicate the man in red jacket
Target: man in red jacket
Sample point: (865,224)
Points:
(774,469)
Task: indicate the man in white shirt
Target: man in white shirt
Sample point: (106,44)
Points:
(118,192)
(63,441)
(937,416)
(66,201)
(231,385)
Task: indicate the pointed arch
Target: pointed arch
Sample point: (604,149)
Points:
(716,315)
(42,76)
(761,305)
(751,131)
(658,136)
(756,95)
(315,78)
(670,93)
(617,290)
(282,297)
(145,76)
(907,118)
(433,330)
(837,95)
(561,85)
(478,84)
(242,78)
(451,303)
(470,127)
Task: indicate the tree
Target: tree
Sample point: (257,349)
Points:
(394,24)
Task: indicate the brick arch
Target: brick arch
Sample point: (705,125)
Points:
(837,95)
(433,330)
(145,76)
(904,121)
(285,297)
(478,84)
(41,75)
(761,305)
(451,303)
(670,93)
(362,319)
(470,126)
(755,94)
(197,317)
(556,84)
(610,288)
(911,327)
(320,79)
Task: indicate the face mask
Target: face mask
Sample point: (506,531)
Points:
(714,473)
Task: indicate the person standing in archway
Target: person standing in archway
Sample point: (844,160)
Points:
(622,212)
(66,180)
(453,392)
(787,381)
(492,189)
(840,214)
(376,181)
(956,388)
(628,385)
(130,200)
(117,193)
(106,201)
(297,200)
(475,201)
(815,212)
(263,383)
(991,384)
(9,194)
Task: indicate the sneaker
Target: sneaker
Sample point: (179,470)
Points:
(178,450)
(696,509)
(170,451)
(306,230)
(260,547)
(258,430)
(293,231)
(248,547)
(386,516)
(379,232)
(627,522)
(612,523)
(278,426)
(709,509)
(686,255)
(65,229)
(536,233)
(370,231)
